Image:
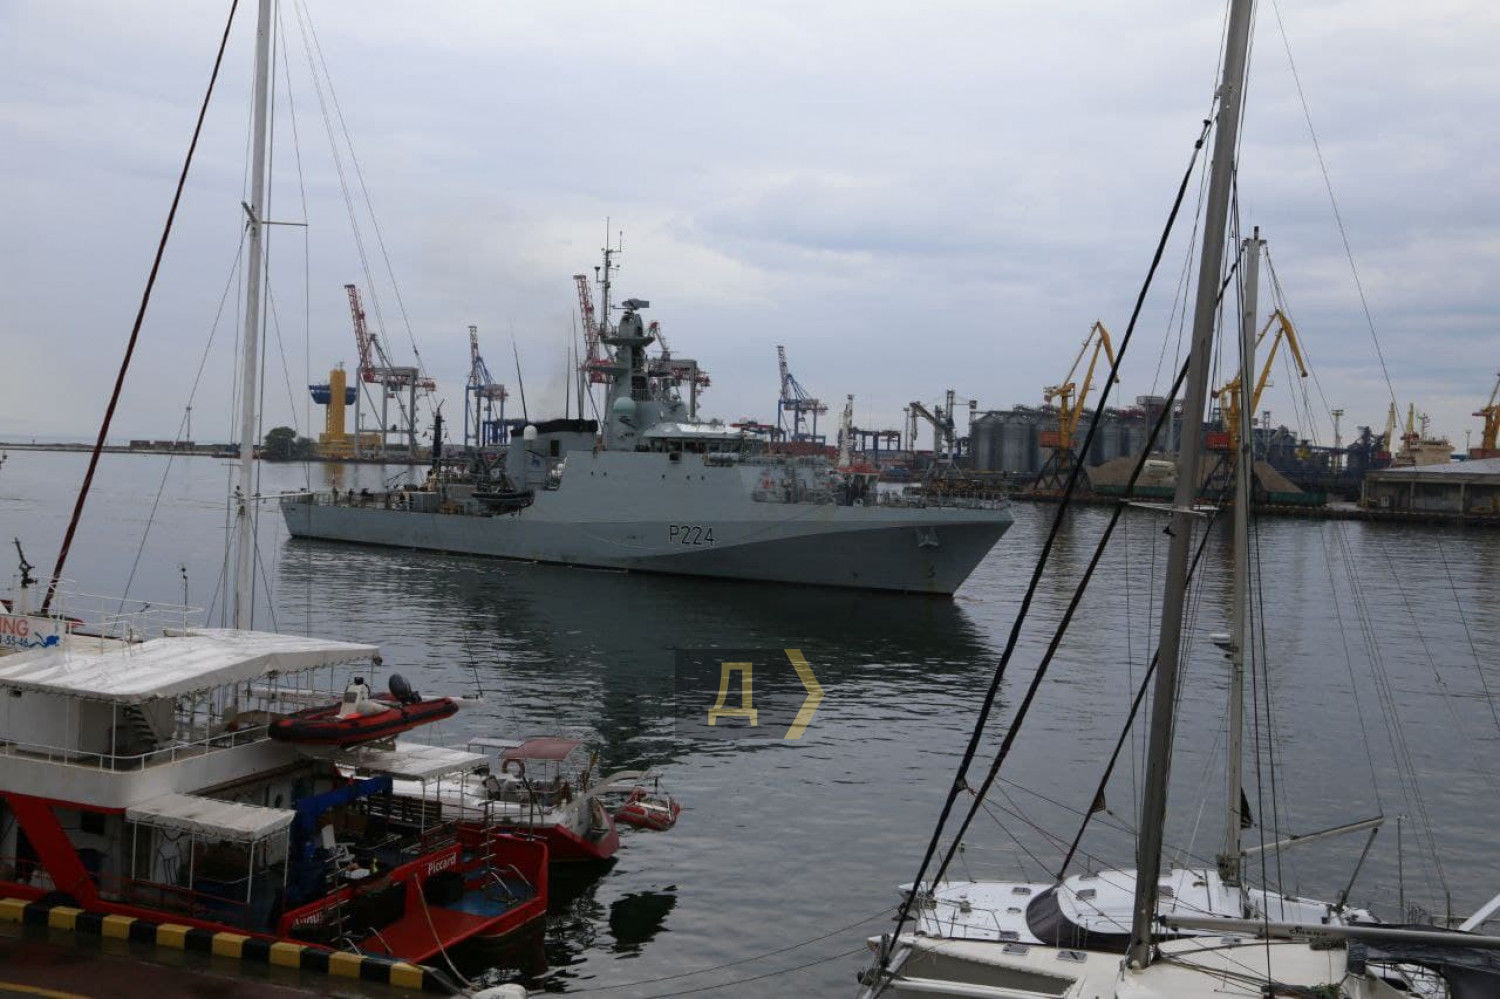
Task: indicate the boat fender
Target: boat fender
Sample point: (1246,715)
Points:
(520,770)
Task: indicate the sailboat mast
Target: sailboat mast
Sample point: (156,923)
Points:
(1164,695)
(1229,860)
(244,564)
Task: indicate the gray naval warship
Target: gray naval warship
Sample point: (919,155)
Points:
(656,489)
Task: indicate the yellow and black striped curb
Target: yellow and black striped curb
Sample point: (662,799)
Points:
(255,950)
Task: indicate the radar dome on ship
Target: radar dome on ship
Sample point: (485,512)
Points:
(528,433)
(623,407)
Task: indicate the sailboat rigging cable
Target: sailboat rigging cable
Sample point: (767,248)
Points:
(1062,507)
(140,316)
(1072,608)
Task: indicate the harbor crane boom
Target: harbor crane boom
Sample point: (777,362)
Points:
(1071,396)
(796,401)
(1231,396)
(482,393)
(595,360)
(942,428)
(1490,414)
(375,368)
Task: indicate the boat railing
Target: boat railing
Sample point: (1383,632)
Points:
(109,618)
(112,761)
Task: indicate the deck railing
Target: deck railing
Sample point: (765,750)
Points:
(112,761)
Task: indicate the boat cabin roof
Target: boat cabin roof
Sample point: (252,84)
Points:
(542,748)
(211,818)
(172,666)
(408,760)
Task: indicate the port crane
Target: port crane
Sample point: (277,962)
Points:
(375,368)
(481,394)
(1232,397)
(796,405)
(596,360)
(1070,397)
(1489,447)
(942,428)
(676,371)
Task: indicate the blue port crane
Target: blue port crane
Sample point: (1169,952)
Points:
(796,411)
(484,401)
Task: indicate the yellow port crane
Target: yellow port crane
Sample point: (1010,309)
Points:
(1231,396)
(1489,447)
(1070,397)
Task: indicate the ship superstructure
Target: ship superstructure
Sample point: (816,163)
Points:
(652,487)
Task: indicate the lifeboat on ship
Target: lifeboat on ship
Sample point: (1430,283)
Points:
(361,717)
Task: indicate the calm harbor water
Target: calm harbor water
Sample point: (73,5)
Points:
(1378,636)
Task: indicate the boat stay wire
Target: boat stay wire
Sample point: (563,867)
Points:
(140,317)
(1040,674)
(1063,505)
(1062,626)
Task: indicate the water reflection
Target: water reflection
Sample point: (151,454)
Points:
(596,649)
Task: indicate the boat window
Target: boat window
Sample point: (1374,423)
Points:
(1076,956)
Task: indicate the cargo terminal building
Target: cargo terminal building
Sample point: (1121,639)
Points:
(1462,490)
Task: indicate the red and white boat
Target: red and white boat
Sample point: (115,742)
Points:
(649,808)
(139,779)
(541,787)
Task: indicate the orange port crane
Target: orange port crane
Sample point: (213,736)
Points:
(1231,396)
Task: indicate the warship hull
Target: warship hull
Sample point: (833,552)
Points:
(625,516)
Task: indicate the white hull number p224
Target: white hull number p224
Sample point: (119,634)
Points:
(689,534)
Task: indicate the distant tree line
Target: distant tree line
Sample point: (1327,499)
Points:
(283,444)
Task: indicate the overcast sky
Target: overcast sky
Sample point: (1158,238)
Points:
(910,197)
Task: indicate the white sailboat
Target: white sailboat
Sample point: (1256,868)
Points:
(1093,910)
(1185,932)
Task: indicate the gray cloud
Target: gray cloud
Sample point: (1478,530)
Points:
(908,198)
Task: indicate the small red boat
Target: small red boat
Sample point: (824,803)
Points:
(361,718)
(649,810)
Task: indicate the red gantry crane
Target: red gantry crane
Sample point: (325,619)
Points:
(375,368)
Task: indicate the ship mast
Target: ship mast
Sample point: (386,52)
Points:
(1229,860)
(1189,458)
(245,514)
